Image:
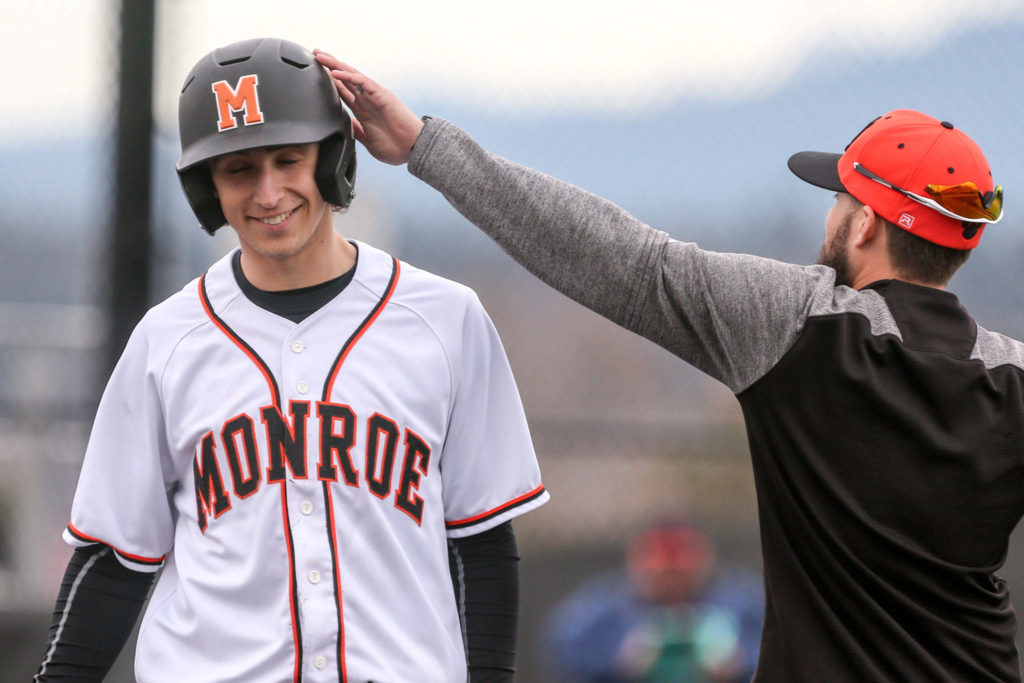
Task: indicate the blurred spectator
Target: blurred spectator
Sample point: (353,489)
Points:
(673,614)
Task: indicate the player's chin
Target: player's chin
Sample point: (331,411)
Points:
(270,244)
(280,250)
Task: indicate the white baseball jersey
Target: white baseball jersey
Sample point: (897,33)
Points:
(299,481)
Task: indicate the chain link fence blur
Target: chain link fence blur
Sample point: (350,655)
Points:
(55,186)
(624,432)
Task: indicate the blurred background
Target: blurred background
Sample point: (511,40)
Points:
(684,113)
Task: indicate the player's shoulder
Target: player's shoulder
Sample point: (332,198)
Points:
(424,286)
(167,322)
(417,289)
(427,305)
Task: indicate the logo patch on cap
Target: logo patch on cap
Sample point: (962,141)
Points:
(242,98)
(907,221)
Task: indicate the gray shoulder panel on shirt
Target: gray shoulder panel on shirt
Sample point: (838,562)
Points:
(866,302)
(994,349)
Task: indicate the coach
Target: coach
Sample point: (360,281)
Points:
(885,425)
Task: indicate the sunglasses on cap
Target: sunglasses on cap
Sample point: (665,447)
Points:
(964,201)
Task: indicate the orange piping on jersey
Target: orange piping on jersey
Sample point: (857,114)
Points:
(329,386)
(291,585)
(342,663)
(229,333)
(494,511)
(135,558)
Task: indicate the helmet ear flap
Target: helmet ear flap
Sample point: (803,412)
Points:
(197,184)
(336,169)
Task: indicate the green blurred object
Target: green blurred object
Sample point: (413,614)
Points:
(694,644)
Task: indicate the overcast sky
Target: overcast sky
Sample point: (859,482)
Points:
(531,55)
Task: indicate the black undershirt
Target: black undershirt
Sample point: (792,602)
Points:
(294,304)
(100,600)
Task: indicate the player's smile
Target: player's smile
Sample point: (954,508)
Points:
(269,196)
(277,219)
(276,222)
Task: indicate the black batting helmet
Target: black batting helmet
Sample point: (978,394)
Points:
(258,93)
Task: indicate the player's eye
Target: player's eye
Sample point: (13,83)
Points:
(233,166)
(292,156)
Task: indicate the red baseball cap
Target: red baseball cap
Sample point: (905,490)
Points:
(670,545)
(911,151)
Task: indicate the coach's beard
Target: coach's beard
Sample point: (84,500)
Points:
(835,254)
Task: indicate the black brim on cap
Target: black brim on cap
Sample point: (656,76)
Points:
(817,168)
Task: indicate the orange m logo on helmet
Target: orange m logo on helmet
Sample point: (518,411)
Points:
(243,97)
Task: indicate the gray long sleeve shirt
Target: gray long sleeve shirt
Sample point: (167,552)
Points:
(885,426)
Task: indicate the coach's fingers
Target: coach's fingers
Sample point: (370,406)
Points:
(381,121)
(347,94)
(357,130)
(332,64)
(335,66)
(330,61)
(355,82)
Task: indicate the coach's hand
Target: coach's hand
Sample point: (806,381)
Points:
(385,126)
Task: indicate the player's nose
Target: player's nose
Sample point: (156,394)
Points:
(268,189)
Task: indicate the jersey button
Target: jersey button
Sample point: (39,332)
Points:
(298,347)
(314,576)
(320,662)
(307,508)
(302,388)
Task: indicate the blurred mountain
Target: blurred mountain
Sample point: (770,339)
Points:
(714,159)
(707,171)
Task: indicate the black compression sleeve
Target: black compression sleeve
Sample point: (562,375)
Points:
(485,575)
(97,607)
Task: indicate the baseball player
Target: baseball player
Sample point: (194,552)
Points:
(320,446)
(885,425)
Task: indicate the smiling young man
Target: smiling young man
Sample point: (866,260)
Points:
(285,228)
(885,425)
(321,447)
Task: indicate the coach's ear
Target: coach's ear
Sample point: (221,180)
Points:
(864,226)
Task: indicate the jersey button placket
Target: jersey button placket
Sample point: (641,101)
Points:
(297,347)
(318,610)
